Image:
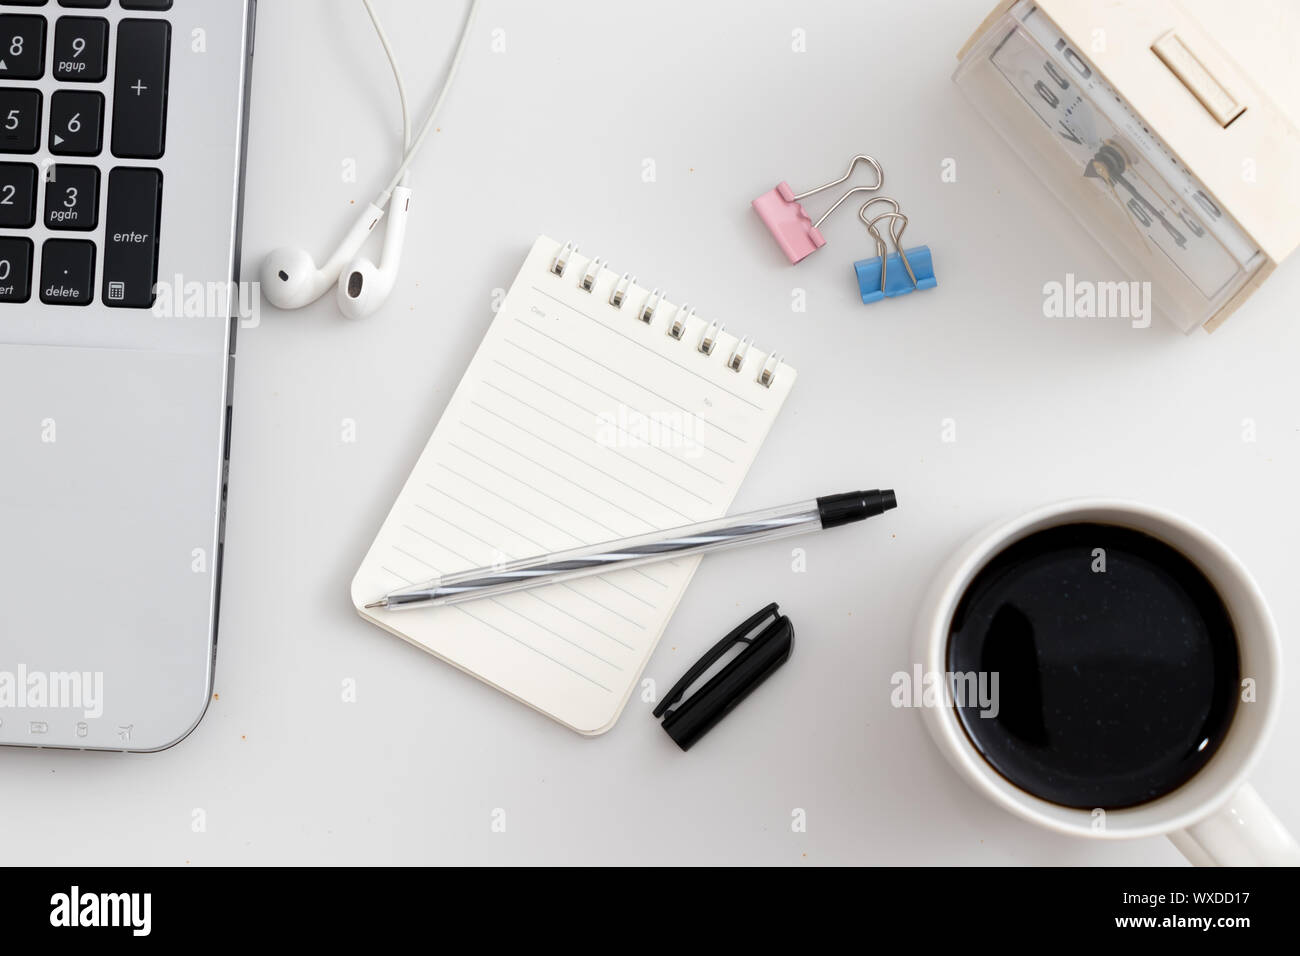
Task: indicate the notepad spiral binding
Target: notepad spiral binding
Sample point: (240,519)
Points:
(654,300)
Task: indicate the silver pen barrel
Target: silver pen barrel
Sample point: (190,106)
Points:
(600,558)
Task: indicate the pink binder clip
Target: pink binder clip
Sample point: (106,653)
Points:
(791,226)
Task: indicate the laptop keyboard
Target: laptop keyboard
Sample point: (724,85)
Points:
(99,132)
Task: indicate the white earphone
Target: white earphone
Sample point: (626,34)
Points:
(363,286)
(290,278)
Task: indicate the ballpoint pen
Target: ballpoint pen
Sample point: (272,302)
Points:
(826,512)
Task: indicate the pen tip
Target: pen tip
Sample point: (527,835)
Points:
(380,603)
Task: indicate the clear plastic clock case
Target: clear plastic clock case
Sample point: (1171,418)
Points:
(1116,178)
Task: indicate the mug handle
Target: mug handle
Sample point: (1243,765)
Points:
(1243,832)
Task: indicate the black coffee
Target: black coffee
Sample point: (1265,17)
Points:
(1117,668)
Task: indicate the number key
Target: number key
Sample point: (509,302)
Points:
(17,195)
(20,120)
(22,47)
(72,197)
(15,269)
(76,123)
(67,272)
(81,49)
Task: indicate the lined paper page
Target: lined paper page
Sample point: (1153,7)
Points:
(576,423)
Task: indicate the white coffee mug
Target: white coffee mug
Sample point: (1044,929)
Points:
(1215,817)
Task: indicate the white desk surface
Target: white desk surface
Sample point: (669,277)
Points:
(552,134)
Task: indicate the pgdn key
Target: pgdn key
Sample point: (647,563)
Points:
(131,237)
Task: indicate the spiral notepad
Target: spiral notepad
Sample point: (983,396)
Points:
(594,409)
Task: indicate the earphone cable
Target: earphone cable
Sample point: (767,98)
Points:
(397,76)
(414,148)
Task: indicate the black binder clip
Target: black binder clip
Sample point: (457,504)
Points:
(765,652)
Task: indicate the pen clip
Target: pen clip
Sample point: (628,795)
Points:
(710,658)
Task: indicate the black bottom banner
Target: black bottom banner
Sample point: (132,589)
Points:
(335,905)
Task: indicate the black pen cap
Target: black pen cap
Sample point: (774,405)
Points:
(836,510)
(763,653)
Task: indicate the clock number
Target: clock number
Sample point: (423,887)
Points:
(1191,224)
(1141,207)
(1207,204)
(1074,59)
(1139,213)
(1055,74)
(1049,96)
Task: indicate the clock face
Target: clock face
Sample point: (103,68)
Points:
(1170,213)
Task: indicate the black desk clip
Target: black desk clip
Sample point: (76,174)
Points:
(764,653)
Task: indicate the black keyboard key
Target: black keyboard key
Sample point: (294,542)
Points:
(20,120)
(71,197)
(17,195)
(146,4)
(140,88)
(15,269)
(131,237)
(83,3)
(81,49)
(67,272)
(22,47)
(76,123)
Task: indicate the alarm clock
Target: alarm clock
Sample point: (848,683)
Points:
(1163,126)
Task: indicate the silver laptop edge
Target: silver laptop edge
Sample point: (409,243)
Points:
(115,429)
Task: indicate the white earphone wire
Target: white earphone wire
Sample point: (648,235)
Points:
(397,77)
(293,274)
(414,148)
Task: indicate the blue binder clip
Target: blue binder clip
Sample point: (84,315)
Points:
(892,273)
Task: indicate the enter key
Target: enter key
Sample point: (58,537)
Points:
(131,237)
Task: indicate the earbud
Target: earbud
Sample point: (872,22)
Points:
(363,287)
(290,277)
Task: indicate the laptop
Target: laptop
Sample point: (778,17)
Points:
(122,128)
